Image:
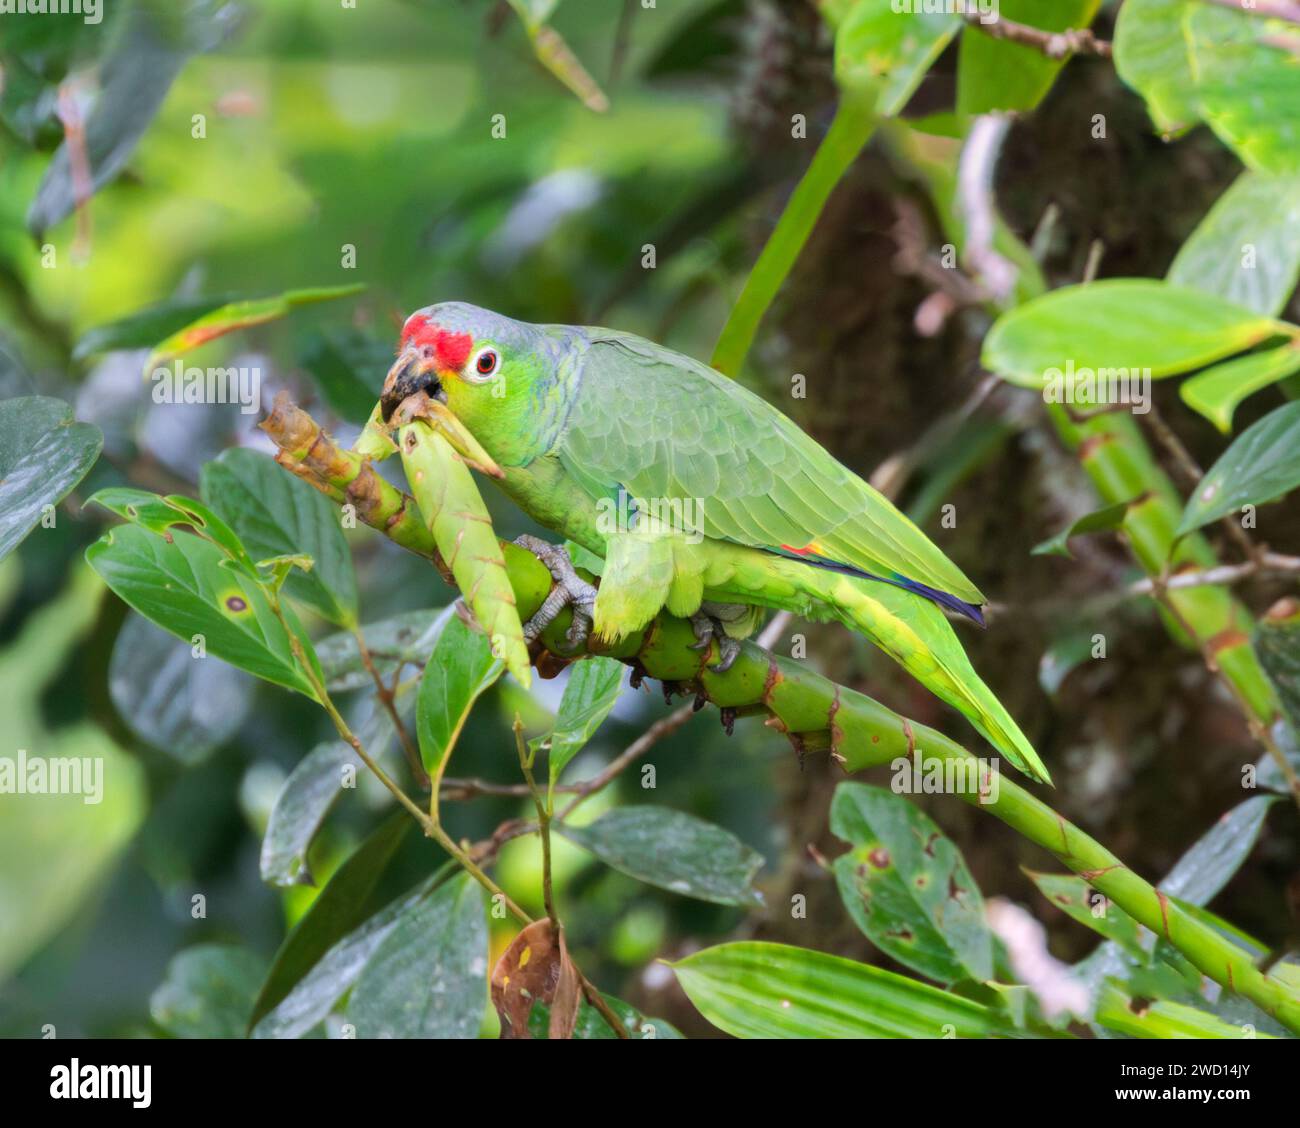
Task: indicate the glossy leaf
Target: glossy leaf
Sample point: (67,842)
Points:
(313,787)
(1104,520)
(1247,248)
(907,887)
(44,453)
(591,1024)
(183,705)
(999,74)
(1261,465)
(1217,391)
(274,514)
(337,910)
(460,669)
(406,639)
(208,992)
(674,851)
(240,315)
(1209,864)
(1107,325)
(592,690)
(428,976)
(1277,645)
(181,585)
(758,990)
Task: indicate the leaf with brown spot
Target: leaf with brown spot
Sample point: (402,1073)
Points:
(536,968)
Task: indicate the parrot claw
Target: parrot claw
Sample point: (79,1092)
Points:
(709,630)
(570,590)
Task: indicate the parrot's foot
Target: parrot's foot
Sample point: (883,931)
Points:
(708,630)
(570,590)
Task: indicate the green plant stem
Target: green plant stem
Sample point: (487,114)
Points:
(542,807)
(850,130)
(818,715)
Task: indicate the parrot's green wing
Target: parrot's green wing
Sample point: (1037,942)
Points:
(661,425)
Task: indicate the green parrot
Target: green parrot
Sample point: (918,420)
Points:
(699,496)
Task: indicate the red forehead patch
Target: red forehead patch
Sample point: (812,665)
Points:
(450,350)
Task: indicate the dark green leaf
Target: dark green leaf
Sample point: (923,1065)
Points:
(1107,326)
(182,586)
(674,851)
(405,639)
(183,705)
(146,328)
(1207,867)
(1261,465)
(208,992)
(757,990)
(1277,644)
(879,51)
(336,911)
(44,453)
(906,886)
(459,670)
(428,976)
(1103,520)
(315,994)
(275,514)
(593,688)
(313,787)
(591,1026)
(349,367)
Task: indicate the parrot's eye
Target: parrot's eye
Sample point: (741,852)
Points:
(486,362)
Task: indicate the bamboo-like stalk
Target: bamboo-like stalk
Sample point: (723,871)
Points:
(813,711)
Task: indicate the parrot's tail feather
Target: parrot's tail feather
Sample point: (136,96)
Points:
(917,635)
(942,598)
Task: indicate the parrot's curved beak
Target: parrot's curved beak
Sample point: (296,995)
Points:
(413,373)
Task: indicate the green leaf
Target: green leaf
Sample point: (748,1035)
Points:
(240,315)
(1247,248)
(208,992)
(674,851)
(591,1025)
(348,366)
(428,976)
(406,639)
(997,74)
(879,50)
(1079,901)
(276,514)
(1277,645)
(1108,325)
(907,887)
(460,669)
(1160,1019)
(181,585)
(146,327)
(182,705)
(1103,520)
(337,910)
(44,453)
(1209,864)
(313,787)
(1261,465)
(1217,391)
(592,690)
(162,514)
(758,990)
(1194,61)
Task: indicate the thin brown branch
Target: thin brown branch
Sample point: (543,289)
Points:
(387,699)
(1053,44)
(1266,564)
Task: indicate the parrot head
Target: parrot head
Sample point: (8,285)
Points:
(487,371)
